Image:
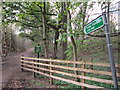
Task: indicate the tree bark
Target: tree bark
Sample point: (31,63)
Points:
(44,30)
(4,42)
(83,18)
(1,45)
(56,43)
(1,28)
(64,21)
(74,48)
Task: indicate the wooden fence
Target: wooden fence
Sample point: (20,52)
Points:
(49,67)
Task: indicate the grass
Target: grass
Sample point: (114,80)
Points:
(37,83)
(47,80)
(63,84)
(66,85)
(97,54)
(99,84)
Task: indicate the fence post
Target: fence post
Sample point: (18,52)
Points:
(34,69)
(22,62)
(83,74)
(51,79)
(38,66)
(91,66)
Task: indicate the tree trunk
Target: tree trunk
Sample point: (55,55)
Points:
(1,45)
(74,48)
(83,18)
(64,21)
(44,30)
(4,42)
(75,56)
(1,50)
(55,44)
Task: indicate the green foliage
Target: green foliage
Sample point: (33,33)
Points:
(23,35)
(28,14)
(69,52)
(29,17)
(99,84)
(63,84)
(37,83)
(34,35)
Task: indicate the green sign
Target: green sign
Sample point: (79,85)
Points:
(94,25)
(38,49)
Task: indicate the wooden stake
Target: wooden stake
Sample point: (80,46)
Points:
(22,62)
(34,69)
(51,79)
(83,74)
(91,66)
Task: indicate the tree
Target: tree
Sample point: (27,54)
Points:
(44,29)
(0,37)
(64,28)
(36,18)
(73,45)
(73,33)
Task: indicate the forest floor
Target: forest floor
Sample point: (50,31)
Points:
(12,77)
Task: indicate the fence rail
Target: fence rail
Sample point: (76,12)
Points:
(38,65)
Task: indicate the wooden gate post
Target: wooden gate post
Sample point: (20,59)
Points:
(34,69)
(91,66)
(22,62)
(51,79)
(83,74)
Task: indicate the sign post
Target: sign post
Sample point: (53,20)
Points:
(96,24)
(37,50)
(113,69)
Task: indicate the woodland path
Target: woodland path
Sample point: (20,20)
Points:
(12,77)
(11,65)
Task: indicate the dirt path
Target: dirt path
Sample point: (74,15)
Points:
(12,66)
(12,77)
